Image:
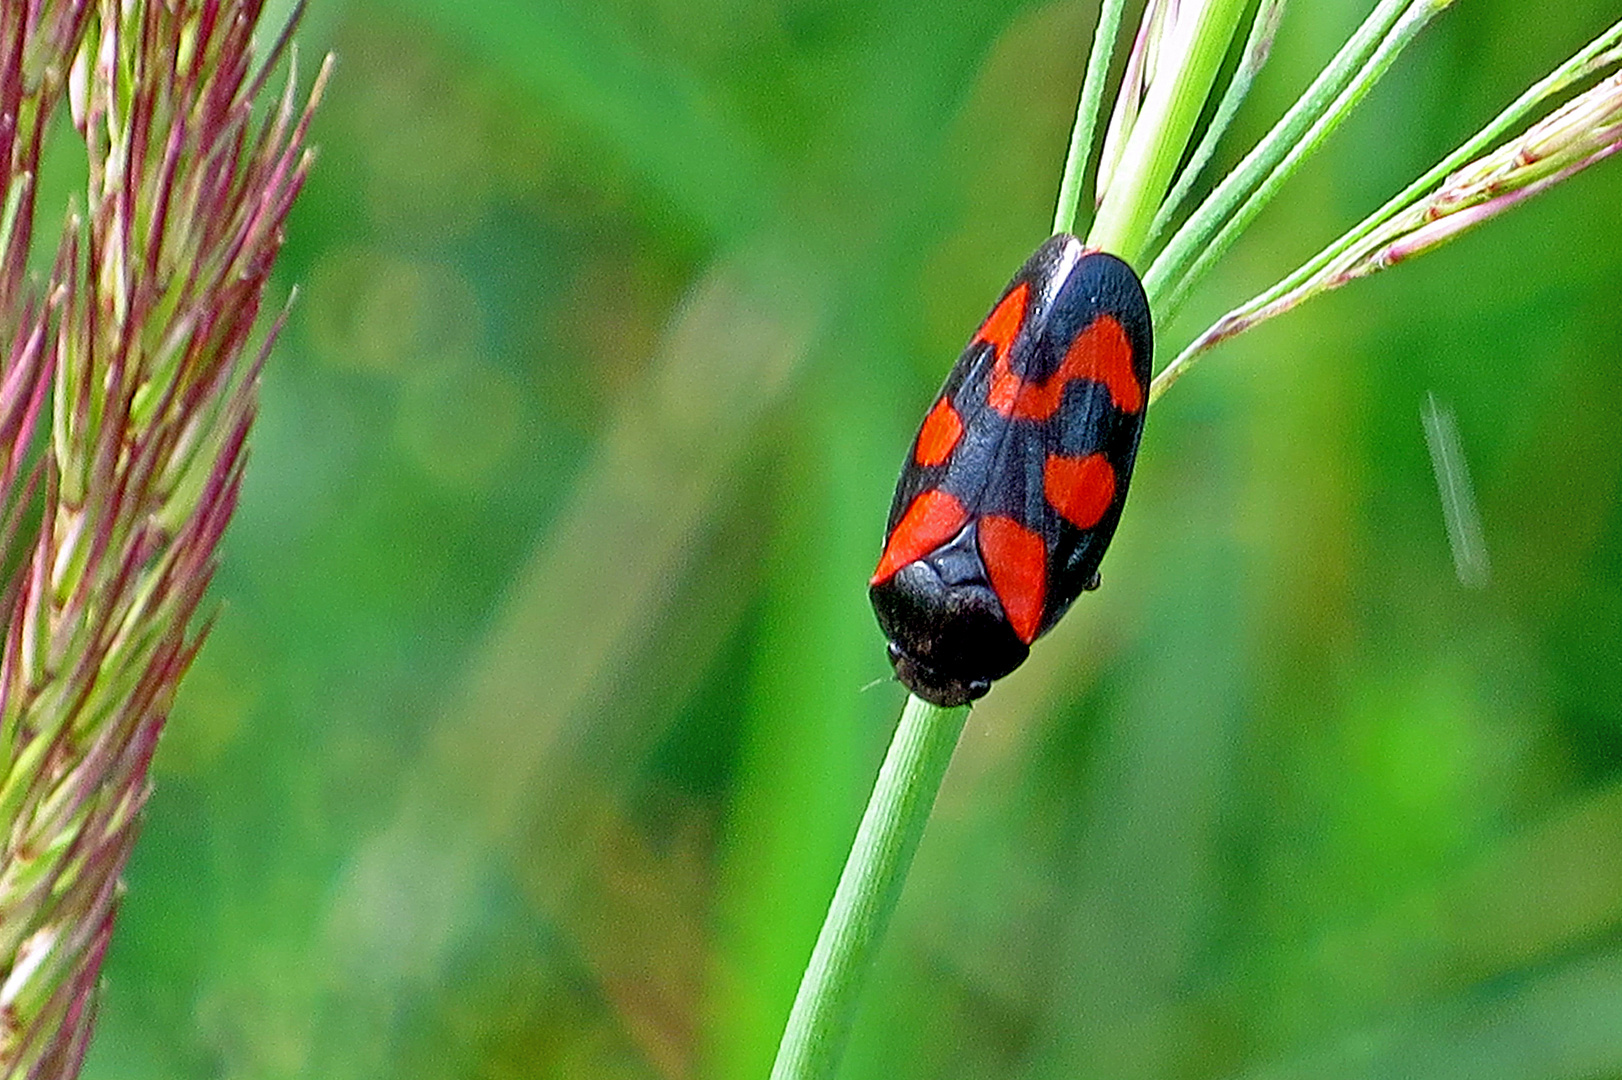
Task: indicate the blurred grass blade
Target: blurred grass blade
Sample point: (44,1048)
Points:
(735,348)
(1559,1023)
(1459,511)
(678,135)
(516,757)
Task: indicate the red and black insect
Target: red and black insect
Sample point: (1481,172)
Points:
(1017,477)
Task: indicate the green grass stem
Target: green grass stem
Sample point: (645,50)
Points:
(1252,58)
(1597,55)
(1213,228)
(1182,82)
(1081,135)
(869,886)
(1134,198)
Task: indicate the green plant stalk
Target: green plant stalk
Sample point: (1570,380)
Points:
(1180,251)
(1598,54)
(1413,20)
(1177,95)
(869,886)
(1081,135)
(1131,91)
(1252,58)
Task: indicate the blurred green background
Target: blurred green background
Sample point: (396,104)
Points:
(538,715)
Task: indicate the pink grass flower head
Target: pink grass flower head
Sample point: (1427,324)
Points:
(143,340)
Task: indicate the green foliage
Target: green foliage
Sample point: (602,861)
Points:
(534,729)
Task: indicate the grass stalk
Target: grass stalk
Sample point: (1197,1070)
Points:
(1184,73)
(1211,230)
(1154,120)
(869,886)
(1081,134)
(1252,58)
(819,1021)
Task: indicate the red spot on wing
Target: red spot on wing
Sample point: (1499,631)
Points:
(1016,560)
(1101,353)
(933,518)
(939,435)
(1002,325)
(1080,489)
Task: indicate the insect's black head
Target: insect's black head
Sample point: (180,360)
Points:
(949,638)
(931,685)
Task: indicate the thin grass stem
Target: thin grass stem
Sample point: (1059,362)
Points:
(1598,55)
(1081,134)
(1185,245)
(1252,58)
(1188,55)
(869,886)
(1184,74)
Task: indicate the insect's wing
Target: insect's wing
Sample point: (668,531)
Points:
(938,438)
(1100,320)
(956,441)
